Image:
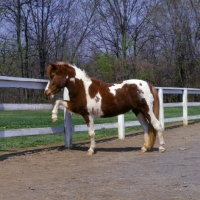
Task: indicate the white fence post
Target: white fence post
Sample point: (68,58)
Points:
(161,109)
(67,123)
(121,129)
(185,108)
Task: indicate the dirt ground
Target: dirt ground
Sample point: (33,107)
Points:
(118,171)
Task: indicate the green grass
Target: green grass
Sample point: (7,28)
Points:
(34,119)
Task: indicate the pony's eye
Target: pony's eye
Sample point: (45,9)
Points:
(52,75)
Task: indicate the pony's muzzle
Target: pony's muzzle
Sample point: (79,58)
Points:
(48,94)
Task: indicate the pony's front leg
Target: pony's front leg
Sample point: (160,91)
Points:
(92,135)
(55,109)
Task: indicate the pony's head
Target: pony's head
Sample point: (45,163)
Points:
(59,73)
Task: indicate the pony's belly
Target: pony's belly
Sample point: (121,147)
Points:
(95,111)
(114,113)
(94,107)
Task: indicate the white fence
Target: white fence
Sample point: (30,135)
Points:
(6,82)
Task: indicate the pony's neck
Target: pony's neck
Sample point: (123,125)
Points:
(74,82)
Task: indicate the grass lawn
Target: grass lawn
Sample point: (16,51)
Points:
(36,119)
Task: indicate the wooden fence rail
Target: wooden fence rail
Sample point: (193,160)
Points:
(28,83)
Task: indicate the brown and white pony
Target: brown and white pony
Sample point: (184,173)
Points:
(92,98)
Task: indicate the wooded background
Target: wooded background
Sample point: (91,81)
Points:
(113,40)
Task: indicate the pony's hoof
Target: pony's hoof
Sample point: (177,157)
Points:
(143,150)
(161,150)
(54,119)
(90,152)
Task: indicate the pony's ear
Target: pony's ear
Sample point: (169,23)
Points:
(51,67)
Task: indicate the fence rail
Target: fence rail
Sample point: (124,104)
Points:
(14,82)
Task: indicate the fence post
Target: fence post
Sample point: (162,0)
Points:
(67,123)
(185,108)
(161,109)
(121,129)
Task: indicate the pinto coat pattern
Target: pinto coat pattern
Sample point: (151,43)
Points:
(92,98)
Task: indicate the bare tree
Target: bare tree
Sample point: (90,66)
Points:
(12,11)
(121,25)
(175,47)
(122,31)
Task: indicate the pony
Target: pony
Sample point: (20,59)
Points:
(92,98)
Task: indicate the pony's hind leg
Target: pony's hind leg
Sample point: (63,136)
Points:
(162,142)
(144,125)
(158,127)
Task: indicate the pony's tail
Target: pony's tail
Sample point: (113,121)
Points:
(151,130)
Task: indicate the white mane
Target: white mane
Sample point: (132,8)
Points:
(80,74)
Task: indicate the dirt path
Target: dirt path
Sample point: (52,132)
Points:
(118,171)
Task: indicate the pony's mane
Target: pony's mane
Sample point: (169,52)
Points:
(80,74)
